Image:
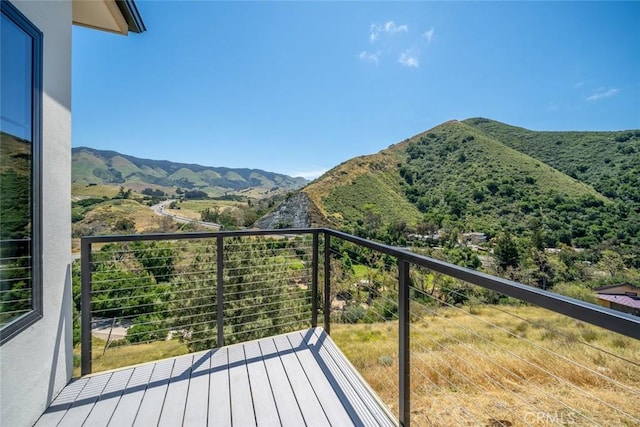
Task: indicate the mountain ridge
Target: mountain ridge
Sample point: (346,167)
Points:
(479,175)
(93,167)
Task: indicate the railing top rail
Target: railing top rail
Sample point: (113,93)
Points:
(196,235)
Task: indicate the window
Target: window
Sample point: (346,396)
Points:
(20,146)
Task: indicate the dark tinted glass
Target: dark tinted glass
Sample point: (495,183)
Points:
(16,171)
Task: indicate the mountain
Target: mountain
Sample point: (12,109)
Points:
(483,176)
(608,161)
(93,167)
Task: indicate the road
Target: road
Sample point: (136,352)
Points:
(161,209)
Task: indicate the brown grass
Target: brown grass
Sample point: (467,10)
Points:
(104,216)
(192,209)
(482,369)
(81,190)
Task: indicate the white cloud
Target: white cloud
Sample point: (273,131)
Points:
(374,32)
(409,58)
(370,56)
(429,34)
(578,85)
(309,174)
(601,94)
(391,27)
(383,33)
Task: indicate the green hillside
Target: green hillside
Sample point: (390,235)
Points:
(363,192)
(474,176)
(459,177)
(609,161)
(92,167)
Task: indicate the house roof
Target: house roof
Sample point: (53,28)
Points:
(619,285)
(622,300)
(118,16)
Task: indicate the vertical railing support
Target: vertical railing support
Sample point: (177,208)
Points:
(85,307)
(326,300)
(220,291)
(403,344)
(314,282)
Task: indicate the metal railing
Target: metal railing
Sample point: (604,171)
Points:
(208,289)
(224,287)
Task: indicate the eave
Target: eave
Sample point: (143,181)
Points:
(117,16)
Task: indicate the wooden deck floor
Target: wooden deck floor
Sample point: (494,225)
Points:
(294,380)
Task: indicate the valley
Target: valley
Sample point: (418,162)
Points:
(553,208)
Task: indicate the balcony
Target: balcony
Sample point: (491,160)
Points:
(224,328)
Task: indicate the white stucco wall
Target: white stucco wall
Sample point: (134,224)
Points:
(37,363)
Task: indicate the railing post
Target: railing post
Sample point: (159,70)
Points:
(85,307)
(326,303)
(403,345)
(314,281)
(220,291)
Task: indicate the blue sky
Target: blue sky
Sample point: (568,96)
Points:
(300,87)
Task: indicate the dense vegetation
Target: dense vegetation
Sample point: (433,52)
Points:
(608,161)
(564,204)
(460,178)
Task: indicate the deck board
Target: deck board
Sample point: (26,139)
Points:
(328,351)
(219,396)
(195,411)
(332,404)
(264,404)
(296,379)
(176,398)
(242,413)
(134,391)
(311,409)
(108,401)
(151,405)
(286,401)
(84,402)
(63,402)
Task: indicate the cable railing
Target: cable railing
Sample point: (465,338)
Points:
(166,294)
(440,344)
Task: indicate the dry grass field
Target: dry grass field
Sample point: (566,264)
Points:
(524,367)
(192,209)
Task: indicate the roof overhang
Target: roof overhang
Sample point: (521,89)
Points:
(117,16)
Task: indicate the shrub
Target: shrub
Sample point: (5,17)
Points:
(147,328)
(353,314)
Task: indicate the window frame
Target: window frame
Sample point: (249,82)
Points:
(13,328)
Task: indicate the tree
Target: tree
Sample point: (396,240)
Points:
(262,295)
(156,257)
(372,219)
(210,214)
(125,224)
(506,251)
(123,193)
(611,262)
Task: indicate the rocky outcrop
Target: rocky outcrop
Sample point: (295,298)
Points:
(295,212)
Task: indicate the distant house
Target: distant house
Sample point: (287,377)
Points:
(36,359)
(623,297)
